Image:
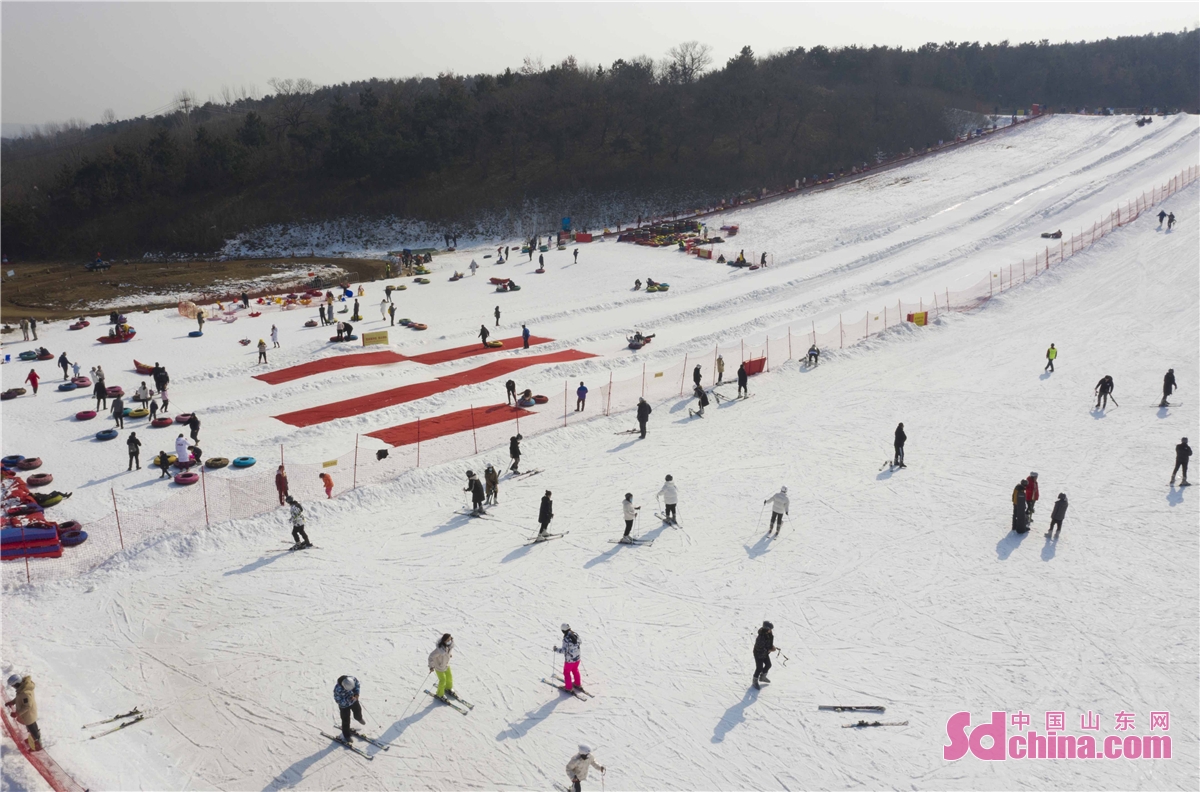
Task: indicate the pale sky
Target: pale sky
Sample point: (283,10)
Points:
(74,60)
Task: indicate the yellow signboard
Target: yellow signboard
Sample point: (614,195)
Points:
(375,337)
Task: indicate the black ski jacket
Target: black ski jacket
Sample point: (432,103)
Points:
(643,413)
(702,396)
(742,376)
(1182,452)
(765,643)
(900,437)
(1060,510)
(476,488)
(695,375)
(1168,383)
(546,512)
(514,447)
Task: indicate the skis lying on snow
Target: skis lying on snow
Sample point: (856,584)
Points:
(469,513)
(138,719)
(668,520)
(851,708)
(629,431)
(546,538)
(449,702)
(526,474)
(646,542)
(558,678)
(562,689)
(863,724)
(348,746)
(114,718)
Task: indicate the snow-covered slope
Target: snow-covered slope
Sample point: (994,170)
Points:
(901,588)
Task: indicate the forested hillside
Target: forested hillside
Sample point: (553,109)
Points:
(441,148)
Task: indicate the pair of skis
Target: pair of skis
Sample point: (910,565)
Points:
(632,541)
(136,714)
(560,684)
(526,474)
(351,747)
(455,702)
(671,521)
(862,724)
(545,538)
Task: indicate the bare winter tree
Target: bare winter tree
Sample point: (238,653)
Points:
(293,103)
(686,62)
(108,116)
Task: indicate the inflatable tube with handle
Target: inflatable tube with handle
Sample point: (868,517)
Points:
(244,462)
(161,422)
(106,434)
(39,479)
(186,478)
(73,538)
(216,463)
(30,463)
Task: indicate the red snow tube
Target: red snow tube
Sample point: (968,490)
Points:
(40,479)
(540,399)
(184,464)
(82,382)
(183,418)
(114,391)
(186,478)
(85,415)
(69,525)
(159,422)
(30,463)
(497,281)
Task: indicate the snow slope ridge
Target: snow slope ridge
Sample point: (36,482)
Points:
(901,588)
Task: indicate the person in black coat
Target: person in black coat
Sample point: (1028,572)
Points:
(514,451)
(194,424)
(475,487)
(135,449)
(1168,386)
(545,514)
(743,378)
(901,437)
(702,397)
(483,335)
(764,644)
(510,392)
(643,415)
(696,375)
(101,393)
(1182,452)
(1020,517)
(1058,514)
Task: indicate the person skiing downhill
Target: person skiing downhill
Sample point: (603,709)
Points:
(779,507)
(577,768)
(1020,516)
(814,355)
(1162,215)
(439,663)
(345,693)
(1032,494)
(545,514)
(1051,355)
(1168,387)
(1182,452)
(491,485)
(298,533)
(570,652)
(701,398)
(669,495)
(475,487)
(900,439)
(514,451)
(764,644)
(1058,514)
(1104,389)
(1170,225)
(629,512)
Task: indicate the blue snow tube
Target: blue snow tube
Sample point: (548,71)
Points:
(195,334)
(107,434)
(348,293)
(67,386)
(72,538)
(244,461)
(11,461)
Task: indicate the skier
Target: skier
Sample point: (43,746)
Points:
(64,364)
(764,644)
(510,392)
(779,507)
(1051,354)
(1057,515)
(24,709)
(1104,389)
(514,451)
(1168,386)
(298,532)
(576,255)
(1162,215)
(643,415)
(701,396)
(345,693)
(275,336)
(194,424)
(525,336)
(262,351)
(901,437)
(814,355)
(327,482)
(1020,518)
(570,652)
(1170,225)
(118,412)
(545,515)
(475,487)
(629,512)
(1182,452)
(491,482)
(135,450)
(281,484)
(439,663)
(580,397)
(696,375)
(577,768)
(743,377)
(669,495)
(1032,494)
(720,369)
(483,335)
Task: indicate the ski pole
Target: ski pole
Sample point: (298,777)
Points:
(414,698)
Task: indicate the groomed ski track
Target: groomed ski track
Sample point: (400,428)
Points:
(903,587)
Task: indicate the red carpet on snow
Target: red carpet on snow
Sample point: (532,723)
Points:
(419,390)
(334,363)
(448,424)
(458,353)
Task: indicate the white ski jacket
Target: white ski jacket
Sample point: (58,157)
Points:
(669,494)
(439,658)
(577,768)
(628,509)
(181,449)
(779,502)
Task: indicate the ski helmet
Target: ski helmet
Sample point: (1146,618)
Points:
(783,490)
(1032,474)
(566,627)
(670,477)
(628,496)
(768,626)
(1185,439)
(584,750)
(14,680)
(349,682)
(470,474)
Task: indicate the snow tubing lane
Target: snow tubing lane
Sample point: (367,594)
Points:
(216,463)
(39,479)
(244,462)
(73,538)
(67,386)
(30,463)
(106,434)
(161,422)
(186,478)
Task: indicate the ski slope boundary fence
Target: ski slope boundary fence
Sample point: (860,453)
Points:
(58,779)
(233,494)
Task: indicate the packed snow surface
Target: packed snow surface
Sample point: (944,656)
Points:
(903,588)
